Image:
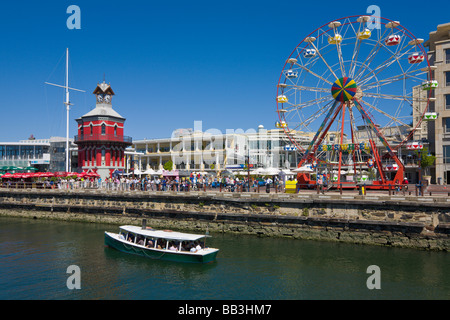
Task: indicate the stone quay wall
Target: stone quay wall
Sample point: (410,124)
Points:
(396,220)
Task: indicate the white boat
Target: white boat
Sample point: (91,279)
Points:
(161,244)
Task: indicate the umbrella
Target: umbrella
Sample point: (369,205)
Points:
(287,172)
(45,174)
(30,169)
(303,169)
(7,175)
(17,175)
(256,171)
(158,173)
(60,174)
(270,171)
(93,174)
(149,171)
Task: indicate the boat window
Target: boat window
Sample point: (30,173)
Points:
(131,237)
(173,246)
(149,242)
(140,240)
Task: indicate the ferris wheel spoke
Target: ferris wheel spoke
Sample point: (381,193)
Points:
(388,62)
(362,20)
(402,76)
(391,97)
(371,106)
(309,120)
(332,113)
(314,74)
(324,61)
(339,52)
(354,58)
(310,89)
(373,52)
(309,103)
(373,126)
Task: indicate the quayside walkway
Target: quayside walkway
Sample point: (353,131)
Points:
(409,190)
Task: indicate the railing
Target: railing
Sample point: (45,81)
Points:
(103,137)
(255,188)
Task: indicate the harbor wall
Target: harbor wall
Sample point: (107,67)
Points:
(398,221)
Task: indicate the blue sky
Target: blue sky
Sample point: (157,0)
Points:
(170,63)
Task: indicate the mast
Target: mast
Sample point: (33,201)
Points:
(68,104)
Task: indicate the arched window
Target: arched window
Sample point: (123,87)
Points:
(115,130)
(103,128)
(92,129)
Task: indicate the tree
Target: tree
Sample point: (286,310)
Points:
(426,160)
(168,165)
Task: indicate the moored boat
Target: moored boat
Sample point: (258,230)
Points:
(161,244)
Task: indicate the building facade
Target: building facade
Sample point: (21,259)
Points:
(439,56)
(192,150)
(42,154)
(101,141)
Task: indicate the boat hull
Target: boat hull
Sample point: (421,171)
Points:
(157,254)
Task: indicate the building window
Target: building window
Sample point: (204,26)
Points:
(447,55)
(447,101)
(115,131)
(447,78)
(92,129)
(103,128)
(447,125)
(446,154)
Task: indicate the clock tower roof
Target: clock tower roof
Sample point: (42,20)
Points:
(103,107)
(103,88)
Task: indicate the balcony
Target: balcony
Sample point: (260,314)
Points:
(103,137)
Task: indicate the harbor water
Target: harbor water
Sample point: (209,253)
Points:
(35,256)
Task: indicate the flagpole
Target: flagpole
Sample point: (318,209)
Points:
(67,104)
(67,108)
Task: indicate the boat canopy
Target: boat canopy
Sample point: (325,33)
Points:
(162,234)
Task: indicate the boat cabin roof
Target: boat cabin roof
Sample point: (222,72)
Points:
(163,234)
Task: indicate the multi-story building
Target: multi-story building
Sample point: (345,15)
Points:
(439,56)
(42,154)
(210,150)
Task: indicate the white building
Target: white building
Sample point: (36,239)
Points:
(195,150)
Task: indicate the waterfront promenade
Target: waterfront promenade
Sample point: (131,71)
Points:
(141,185)
(381,217)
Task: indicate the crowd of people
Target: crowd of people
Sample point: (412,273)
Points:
(162,183)
(191,183)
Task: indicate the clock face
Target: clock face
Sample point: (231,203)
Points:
(108,98)
(100,98)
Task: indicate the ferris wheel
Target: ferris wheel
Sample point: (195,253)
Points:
(349,97)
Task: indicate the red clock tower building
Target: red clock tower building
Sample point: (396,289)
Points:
(100,139)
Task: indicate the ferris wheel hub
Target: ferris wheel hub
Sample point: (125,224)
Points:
(344,89)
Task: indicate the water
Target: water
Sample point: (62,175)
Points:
(35,254)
